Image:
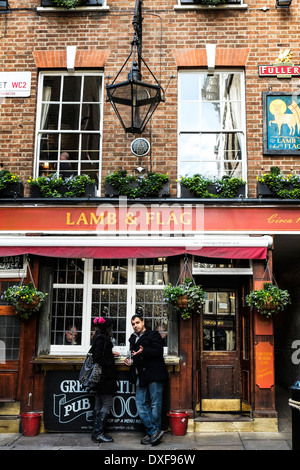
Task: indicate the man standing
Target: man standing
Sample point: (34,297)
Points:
(150,374)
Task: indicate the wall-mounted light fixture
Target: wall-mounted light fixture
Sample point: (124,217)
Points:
(133,100)
(283,3)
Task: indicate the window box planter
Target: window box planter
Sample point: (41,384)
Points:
(120,184)
(111,191)
(84,3)
(212,190)
(35,192)
(56,186)
(263,190)
(277,185)
(13,190)
(199,186)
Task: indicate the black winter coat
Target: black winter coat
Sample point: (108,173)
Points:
(102,354)
(150,363)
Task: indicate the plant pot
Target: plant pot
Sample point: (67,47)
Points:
(186,193)
(31,305)
(90,190)
(165,190)
(35,192)
(263,190)
(241,191)
(270,305)
(14,190)
(211,189)
(110,191)
(183,301)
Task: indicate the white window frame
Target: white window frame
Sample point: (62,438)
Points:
(242,130)
(39,132)
(88,286)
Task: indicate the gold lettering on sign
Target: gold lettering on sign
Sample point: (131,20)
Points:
(276,219)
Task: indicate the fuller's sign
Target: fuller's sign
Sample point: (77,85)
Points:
(282,71)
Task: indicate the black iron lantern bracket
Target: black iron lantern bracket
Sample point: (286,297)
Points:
(133,100)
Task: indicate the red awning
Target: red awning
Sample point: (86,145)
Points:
(115,252)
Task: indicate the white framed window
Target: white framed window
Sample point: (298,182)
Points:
(85,289)
(211,124)
(69,120)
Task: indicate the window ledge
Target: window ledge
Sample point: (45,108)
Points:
(71,10)
(74,360)
(243,6)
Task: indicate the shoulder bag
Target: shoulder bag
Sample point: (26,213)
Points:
(90,374)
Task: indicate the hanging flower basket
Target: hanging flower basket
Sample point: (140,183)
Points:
(25,299)
(183,301)
(268,300)
(185,298)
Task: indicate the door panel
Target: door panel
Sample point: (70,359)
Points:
(219,355)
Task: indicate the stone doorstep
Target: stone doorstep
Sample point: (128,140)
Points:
(9,424)
(248,425)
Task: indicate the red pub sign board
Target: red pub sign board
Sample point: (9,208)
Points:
(176,218)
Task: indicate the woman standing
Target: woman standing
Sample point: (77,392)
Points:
(102,354)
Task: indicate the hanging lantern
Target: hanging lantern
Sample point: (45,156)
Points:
(133,100)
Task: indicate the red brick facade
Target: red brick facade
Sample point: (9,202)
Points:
(32,41)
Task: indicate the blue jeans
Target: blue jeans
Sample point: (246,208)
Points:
(149,405)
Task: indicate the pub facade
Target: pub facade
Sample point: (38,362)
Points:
(229,111)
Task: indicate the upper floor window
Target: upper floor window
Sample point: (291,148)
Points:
(211,124)
(69,122)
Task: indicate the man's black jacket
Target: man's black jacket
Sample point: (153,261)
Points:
(150,363)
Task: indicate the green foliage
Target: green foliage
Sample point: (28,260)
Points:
(137,186)
(67,3)
(195,295)
(282,186)
(213,3)
(7,178)
(56,186)
(201,186)
(268,300)
(27,294)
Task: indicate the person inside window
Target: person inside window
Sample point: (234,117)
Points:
(65,168)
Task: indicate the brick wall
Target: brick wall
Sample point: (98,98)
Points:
(165,29)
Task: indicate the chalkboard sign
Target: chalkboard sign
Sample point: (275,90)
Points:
(69,408)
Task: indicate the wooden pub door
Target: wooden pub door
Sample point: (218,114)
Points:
(218,364)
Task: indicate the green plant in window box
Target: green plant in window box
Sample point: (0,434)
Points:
(268,300)
(120,183)
(68,3)
(57,186)
(212,3)
(204,187)
(26,299)
(185,297)
(9,184)
(276,184)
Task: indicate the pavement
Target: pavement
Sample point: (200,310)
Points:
(127,447)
